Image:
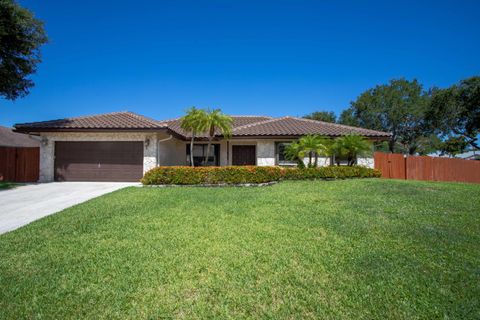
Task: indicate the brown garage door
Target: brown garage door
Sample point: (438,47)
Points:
(98,161)
(243,155)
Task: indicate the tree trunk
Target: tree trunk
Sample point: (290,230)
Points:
(191,151)
(316,160)
(310,159)
(205,162)
(391,144)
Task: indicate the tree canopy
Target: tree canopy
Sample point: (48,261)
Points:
(326,116)
(398,107)
(455,111)
(21,36)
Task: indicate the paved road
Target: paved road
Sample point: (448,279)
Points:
(24,204)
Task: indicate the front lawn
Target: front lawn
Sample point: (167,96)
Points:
(7,185)
(298,250)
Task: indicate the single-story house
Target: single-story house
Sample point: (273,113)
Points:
(9,138)
(122,146)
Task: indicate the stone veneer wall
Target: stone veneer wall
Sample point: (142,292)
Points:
(47,150)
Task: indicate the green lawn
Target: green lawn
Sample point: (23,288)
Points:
(297,250)
(7,185)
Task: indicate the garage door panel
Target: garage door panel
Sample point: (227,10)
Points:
(98,161)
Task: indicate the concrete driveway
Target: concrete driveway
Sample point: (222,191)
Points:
(25,204)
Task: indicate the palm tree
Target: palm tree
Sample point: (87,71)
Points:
(216,121)
(313,145)
(193,121)
(292,152)
(351,146)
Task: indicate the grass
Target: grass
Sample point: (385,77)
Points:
(359,249)
(7,185)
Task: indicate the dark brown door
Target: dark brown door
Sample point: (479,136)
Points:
(243,155)
(98,161)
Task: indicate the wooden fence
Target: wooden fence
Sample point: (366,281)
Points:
(19,164)
(397,166)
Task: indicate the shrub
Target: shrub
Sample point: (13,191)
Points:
(212,175)
(333,172)
(249,174)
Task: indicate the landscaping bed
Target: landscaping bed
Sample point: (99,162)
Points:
(245,175)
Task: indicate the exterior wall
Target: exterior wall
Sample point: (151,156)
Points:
(47,147)
(366,162)
(266,153)
(322,161)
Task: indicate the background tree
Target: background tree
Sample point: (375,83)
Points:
(194,121)
(21,36)
(351,147)
(216,120)
(398,107)
(453,146)
(326,116)
(455,111)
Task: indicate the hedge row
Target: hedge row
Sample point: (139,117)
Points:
(249,174)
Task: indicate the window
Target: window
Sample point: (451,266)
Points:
(280,154)
(199,152)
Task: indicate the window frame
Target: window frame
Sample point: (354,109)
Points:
(216,154)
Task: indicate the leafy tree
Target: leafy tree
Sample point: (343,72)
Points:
(325,116)
(313,146)
(216,121)
(454,145)
(194,121)
(293,151)
(456,110)
(21,36)
(398,107)
(351,146)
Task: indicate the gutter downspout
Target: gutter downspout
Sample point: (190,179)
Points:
(158,148)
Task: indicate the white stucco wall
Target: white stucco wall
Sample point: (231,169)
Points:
(47,147)
(366,162)
(322,161)
(265,153)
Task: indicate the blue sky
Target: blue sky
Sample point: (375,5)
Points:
(276,58)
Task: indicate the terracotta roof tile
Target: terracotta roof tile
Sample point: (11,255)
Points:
(116,120)
(292,126)
(243,126)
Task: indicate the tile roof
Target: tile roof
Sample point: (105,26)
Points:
(116,120)
(243,126)
(8,138)
(292,126)
(238,121)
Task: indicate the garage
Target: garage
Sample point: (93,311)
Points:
(98,161)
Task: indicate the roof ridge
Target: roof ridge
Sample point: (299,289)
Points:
(335,124)
(258,123)
(148,119)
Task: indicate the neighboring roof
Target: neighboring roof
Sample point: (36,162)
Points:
(124,120)
(292,126)
(8,138)
(238,121)
(243,126)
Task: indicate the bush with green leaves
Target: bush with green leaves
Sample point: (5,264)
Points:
(249,174)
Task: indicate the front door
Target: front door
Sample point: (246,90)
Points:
(243,155)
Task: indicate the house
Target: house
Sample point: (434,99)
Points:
(121,146)
(9,138)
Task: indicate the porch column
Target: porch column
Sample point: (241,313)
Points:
(265,153)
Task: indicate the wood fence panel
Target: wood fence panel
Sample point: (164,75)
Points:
(19,164)
(395,166)
(420,168)
(391,165)
(7,163)
(27,164)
